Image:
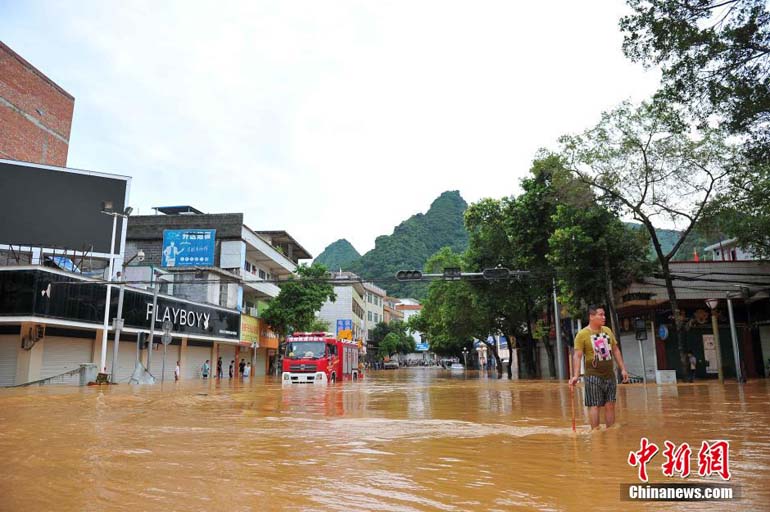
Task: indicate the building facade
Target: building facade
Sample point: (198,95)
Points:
(743,283)
(217,259)
(349,308)
(35,113)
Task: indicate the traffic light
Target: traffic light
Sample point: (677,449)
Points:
(408,275)
(496,273)
(453,273)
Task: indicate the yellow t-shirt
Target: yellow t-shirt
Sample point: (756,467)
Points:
(597,347)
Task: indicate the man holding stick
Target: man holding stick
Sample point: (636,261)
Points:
(598,344)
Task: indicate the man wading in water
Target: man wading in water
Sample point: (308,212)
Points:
(599,345)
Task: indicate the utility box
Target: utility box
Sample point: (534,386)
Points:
(665,376)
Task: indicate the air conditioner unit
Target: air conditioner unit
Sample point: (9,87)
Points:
(253,312)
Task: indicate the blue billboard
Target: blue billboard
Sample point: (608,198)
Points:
(421,347)
(188,247)
(345,329)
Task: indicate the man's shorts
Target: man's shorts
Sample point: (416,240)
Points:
(599,390)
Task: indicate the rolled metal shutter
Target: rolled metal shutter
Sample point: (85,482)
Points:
(172,355)
(126,359)
(61,355)
(8,351)
(227,352)
(195,358)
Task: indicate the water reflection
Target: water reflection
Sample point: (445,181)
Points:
(410,439)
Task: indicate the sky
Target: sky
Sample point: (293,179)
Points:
(327,119)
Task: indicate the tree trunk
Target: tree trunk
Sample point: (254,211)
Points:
(680,338)
(551,360)
(550,311)
(527,353)
(510,356)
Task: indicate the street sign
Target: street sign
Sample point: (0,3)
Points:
(167,326)
(166,338)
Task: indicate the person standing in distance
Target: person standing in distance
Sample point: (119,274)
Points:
(598,344)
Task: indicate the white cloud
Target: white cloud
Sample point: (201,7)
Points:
(328,119)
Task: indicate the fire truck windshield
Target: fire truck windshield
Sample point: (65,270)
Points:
(305,350)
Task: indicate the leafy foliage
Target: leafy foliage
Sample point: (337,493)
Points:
(588,244)
(449,317)
(642,162)
(339,254)
(300,299)
(396,340)
(744,212)
(413,242)
(714,56)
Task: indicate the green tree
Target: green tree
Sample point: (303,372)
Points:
(714,56)
(301,297)
(640,161)
(396,342)
(744,210)
(595,254)
(502,306)
(449,317)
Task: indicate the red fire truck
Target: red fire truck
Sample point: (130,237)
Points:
(319,357)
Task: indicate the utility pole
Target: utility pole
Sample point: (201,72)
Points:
(118,325)
(152,321)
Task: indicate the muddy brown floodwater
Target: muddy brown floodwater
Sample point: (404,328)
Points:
(409,439)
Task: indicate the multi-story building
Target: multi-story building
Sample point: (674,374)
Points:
(375,306)
(348,311)
(409,308)
(35,113)
(390,312)
(217,259)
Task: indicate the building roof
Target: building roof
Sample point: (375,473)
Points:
(177,210)
(282,237)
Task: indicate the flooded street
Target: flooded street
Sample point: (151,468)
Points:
(410,439)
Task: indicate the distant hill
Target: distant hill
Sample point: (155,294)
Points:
(339,254)
(669,237)
(408,247)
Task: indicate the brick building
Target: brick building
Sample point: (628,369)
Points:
(35,113)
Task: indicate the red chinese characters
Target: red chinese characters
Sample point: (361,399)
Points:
(713,458)
(646,452)
(677,459)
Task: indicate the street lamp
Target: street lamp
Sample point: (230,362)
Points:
(713,304)
(107,209)
(139,256)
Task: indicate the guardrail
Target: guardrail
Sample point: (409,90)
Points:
(86,371)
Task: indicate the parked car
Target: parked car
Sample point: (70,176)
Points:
(390,365)
(457,367)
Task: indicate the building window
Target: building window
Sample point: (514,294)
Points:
(369,315)
(262,274)
(223,294)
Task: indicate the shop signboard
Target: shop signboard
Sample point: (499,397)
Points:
(188,247)
(56,295)
(249,330)
(345,329)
